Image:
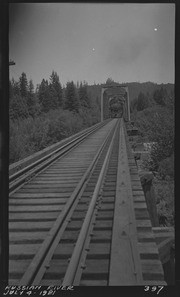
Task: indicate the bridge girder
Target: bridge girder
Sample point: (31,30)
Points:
(108,91)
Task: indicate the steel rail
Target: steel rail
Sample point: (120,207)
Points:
(86,248)
(93,223)
(23,163)
(33,168)
(56,241)
(27,168)
(40,259)
(76,256)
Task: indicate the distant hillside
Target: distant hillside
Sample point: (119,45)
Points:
(134,89)
(147,87)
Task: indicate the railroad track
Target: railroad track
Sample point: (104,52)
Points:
(21,175)
(72,219)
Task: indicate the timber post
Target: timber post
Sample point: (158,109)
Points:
(146,181)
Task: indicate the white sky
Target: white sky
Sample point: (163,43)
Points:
(128,42)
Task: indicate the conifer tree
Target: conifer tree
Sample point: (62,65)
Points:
(71,98)
(56,89)
(109,81)
(13,89)
(42,88)
(142,102)
(83,96)
(53,98)
(23,84)
(44,96)
(18,108)
(30,98)
(159,96)
(32,101)
(17,104)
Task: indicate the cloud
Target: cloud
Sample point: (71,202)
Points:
(126,50)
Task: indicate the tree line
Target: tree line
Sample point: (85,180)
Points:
(42,115)
(49,95)
(48,113)
(160,97)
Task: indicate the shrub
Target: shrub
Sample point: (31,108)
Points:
(33,134)
(164,192)
(19,144)
(157,125)
(166,167)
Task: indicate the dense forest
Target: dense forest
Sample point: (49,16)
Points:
(46,114)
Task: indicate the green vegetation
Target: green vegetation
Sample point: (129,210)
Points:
(164,192)
(47,115)
(43,115)
(140,103)
(156,125)
(71,97)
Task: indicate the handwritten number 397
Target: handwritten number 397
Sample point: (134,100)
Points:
(156,289)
